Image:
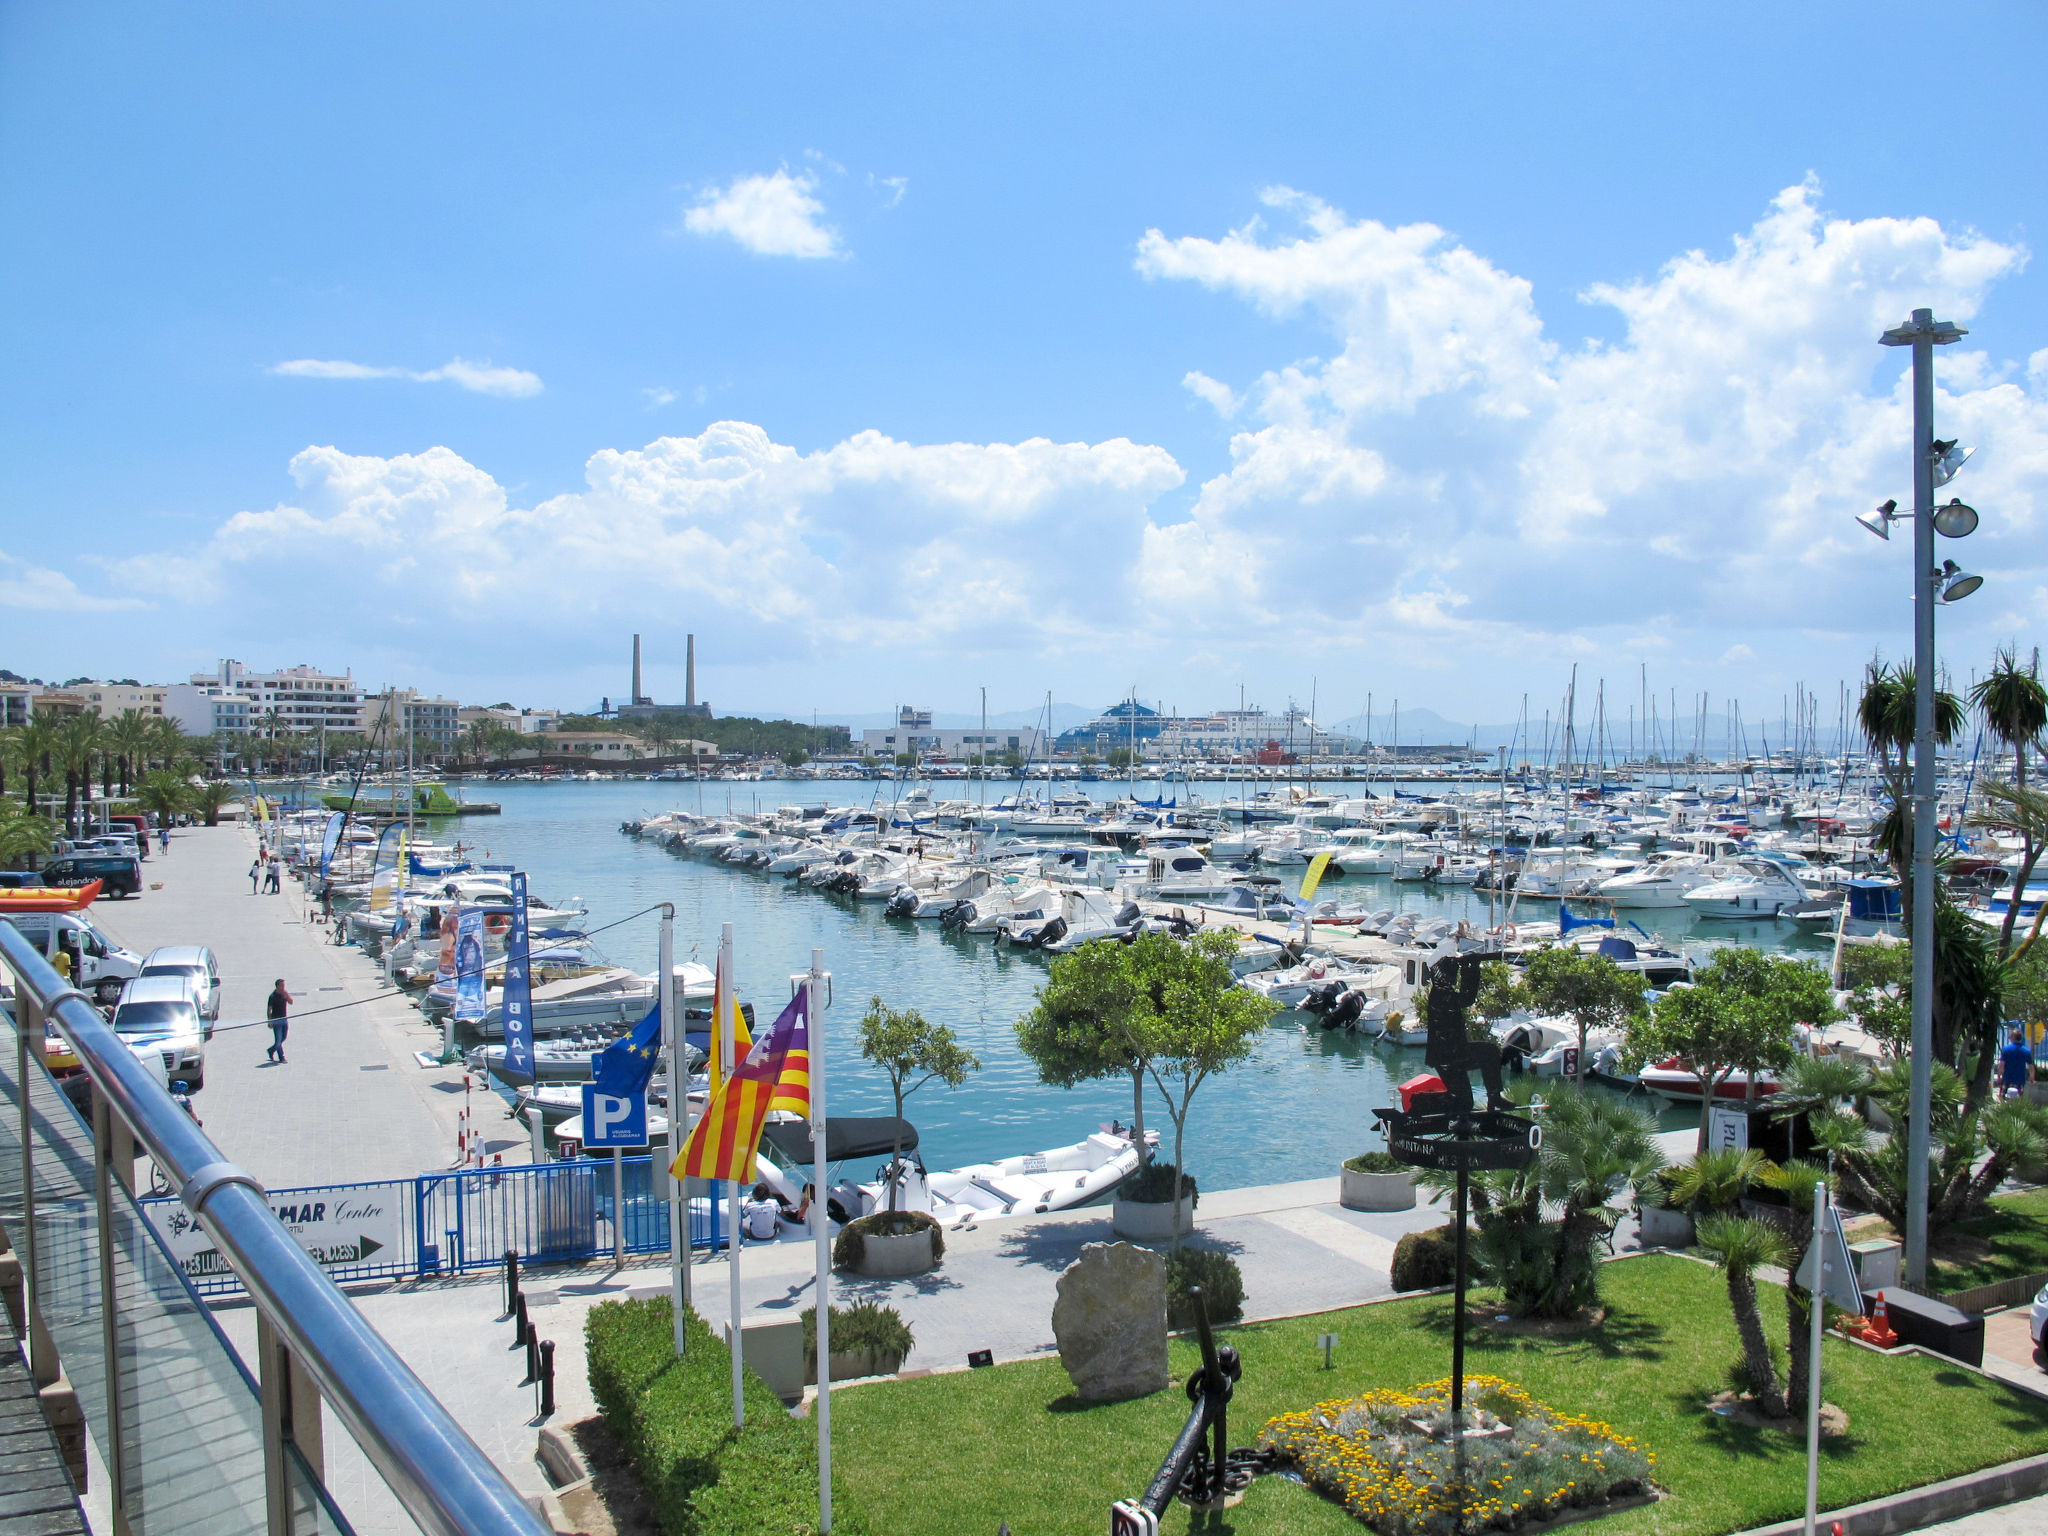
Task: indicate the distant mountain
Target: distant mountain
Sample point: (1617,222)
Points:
(1419,727)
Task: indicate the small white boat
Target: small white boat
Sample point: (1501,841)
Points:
(1030,1185)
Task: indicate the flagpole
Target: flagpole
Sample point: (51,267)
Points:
(678,1125)
(730,1006)
(1815,1306)
(814,1028)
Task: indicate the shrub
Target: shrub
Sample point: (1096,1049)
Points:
(850,1245)
(1216,1273)
(673,1419)
(1426,1260)
(866,1325)
(1153,1185)
(1376,1162)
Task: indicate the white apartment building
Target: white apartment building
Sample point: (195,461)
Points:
(211,711)
(302,699)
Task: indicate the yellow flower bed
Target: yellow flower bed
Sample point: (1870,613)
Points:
(1388,1458)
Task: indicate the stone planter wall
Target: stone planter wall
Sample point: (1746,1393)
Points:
(1152,1221)
(847,1365)
(1377,1191)
(884,1257)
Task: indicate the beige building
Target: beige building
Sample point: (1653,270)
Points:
(112,699)
(302,699)
(606,746)
(433,720)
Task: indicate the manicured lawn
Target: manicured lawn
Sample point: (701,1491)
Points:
(2008,1240)
(955,1455)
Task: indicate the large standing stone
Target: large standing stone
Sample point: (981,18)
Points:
(1110,1321)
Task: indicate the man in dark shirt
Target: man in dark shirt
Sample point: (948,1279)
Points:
(279,1009)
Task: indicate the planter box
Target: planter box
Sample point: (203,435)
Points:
(849,1365)
(1153,1221)
(884,1258)
(1377,1191)
(774,1350)
(1662,1228)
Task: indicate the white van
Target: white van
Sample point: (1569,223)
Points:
(104,966)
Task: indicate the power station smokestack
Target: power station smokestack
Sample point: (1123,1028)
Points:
(636,669)
(690,675)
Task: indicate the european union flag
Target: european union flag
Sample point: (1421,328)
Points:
(623,1067)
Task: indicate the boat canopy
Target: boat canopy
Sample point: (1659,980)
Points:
(844,1137)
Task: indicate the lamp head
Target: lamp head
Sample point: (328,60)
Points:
(1879,521)
(1949,457)
(1955,583)
(1955,521)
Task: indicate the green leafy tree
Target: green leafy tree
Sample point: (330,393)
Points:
(906,759)
(1742,1245)
(1080,1029)
(1880,982)
(1121,757)
(211,798)
(1589,989)
(913,1051)
(1013,760)
(795,757)
(1501,992)
(1738,1016)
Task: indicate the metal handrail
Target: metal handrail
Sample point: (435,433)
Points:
(444,1480)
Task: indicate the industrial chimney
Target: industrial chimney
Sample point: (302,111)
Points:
(637,698)
(690,675)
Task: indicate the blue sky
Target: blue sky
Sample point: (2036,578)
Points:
(898,351)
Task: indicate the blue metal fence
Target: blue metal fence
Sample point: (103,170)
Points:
(467,1219)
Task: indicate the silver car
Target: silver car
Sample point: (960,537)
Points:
(162,1012)
(196,964)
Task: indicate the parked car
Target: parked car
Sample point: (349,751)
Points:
(194,962)
(163,1011)
(118,874)
(103,965)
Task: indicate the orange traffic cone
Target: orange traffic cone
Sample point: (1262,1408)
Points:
(1880,1326)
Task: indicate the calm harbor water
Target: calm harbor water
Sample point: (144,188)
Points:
(1301,1104)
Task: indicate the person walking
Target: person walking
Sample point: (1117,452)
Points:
(2015,1066)
(279,1009)
(256,875)
(272,883)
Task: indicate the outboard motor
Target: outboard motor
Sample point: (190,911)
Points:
(1050,933)
(903,903)
(957,915)
(1127,914)
(1345,1011)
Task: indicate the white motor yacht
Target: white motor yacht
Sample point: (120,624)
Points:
(1662,882)
(1749,888)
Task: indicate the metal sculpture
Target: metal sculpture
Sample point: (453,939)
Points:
(1447,1130)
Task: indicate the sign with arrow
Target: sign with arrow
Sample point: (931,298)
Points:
(340,1227)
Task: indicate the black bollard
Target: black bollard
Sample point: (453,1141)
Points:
(532,1356)
(547,1378)
(511,1280)
(522,1329)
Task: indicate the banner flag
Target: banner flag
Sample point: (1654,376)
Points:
(384,881)
(1314,877)
(793,1088)
(624,1067)
(469,964)
(329,841)
(726,1020)
(723,1143)
(516,1001)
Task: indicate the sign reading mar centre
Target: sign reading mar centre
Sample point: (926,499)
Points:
(338,1227)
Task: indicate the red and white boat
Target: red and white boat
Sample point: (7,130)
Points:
(1673,1080)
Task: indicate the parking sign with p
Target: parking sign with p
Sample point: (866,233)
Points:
(613,1119)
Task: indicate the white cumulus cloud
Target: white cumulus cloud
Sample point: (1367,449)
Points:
(773,215)
(478,378)
(37,589)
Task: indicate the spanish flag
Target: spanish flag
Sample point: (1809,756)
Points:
(726,1018)
(723,1143)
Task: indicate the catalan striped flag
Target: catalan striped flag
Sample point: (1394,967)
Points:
(793,1088)
(723,1142)
(726,1019)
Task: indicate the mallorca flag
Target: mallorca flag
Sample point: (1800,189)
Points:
(793,1088)
(725,1017)
(722,1144)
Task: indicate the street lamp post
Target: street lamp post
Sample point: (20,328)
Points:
(1923,333)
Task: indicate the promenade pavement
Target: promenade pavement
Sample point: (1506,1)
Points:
(350,1102)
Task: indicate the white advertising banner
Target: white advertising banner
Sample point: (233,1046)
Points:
(349,1225)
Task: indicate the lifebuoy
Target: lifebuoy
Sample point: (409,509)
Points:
(497,922)
(1316,969)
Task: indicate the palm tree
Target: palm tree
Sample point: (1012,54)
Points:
(163,794)
(131,734)
(1595,1148)
(1715,1179)
(1742,1245)
(210,797)
(36,744)
(1795,1179)
(1885,715)
(78,739)
(24,836)
(2015,710)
